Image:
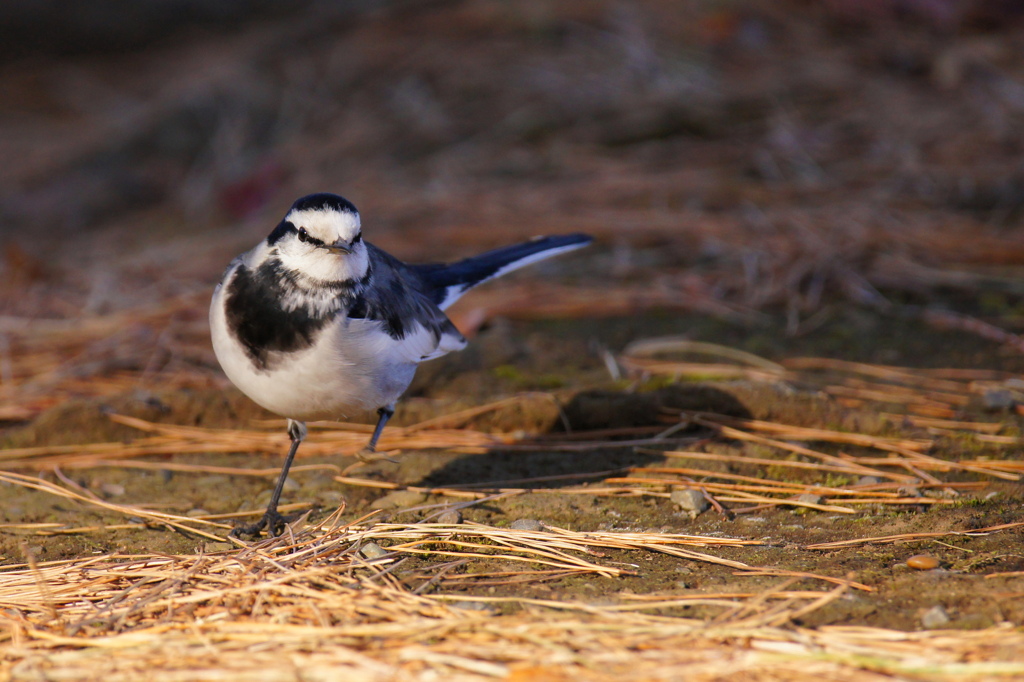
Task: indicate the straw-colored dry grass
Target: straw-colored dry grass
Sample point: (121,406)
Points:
(314,611)
(317,603)
(309,606)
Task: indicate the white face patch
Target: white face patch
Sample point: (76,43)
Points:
(313,264)
(327,225)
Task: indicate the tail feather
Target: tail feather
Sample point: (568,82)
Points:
(445,283)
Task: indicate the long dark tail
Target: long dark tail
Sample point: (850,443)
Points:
(445,283)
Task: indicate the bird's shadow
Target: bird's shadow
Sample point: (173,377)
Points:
(614,417)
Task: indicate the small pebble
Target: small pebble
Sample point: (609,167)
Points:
(193,513)
(691,501)
(935,617)
(371,550)
(399,499)
(997,399)
(450,517)
(923,562)
(471,605)
(219,546)
(331,497)
(526,524)
(869,480)
(909,491)
(290,484)
(810,498)
(212,481)
(112,489)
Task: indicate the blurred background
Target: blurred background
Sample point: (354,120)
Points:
(782,160)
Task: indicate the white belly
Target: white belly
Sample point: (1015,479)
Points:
(352,367)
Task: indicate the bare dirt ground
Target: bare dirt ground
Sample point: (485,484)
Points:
(834,189)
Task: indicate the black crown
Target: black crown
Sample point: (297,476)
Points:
(323,201)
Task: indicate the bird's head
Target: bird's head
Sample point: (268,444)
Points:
(321,238)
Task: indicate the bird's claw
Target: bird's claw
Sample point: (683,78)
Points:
(272,521)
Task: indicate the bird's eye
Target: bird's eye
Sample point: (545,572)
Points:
(303,235)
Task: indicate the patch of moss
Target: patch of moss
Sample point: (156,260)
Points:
(507,373)
(834,480)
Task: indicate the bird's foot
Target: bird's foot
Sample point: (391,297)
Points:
(271,520)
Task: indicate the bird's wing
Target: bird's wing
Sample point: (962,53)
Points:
(395,299)
(444,283)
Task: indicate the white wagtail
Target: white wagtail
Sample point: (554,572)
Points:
(315,323)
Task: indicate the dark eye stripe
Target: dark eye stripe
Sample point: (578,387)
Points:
(309,239)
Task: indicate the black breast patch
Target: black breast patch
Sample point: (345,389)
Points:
(257,320)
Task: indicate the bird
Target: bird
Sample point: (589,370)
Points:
(316,323)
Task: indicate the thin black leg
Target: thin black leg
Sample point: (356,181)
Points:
(385,414)
(271,519)
(366,454)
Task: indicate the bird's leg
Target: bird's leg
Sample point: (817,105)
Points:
(385,414)
(366,454)
(272,520)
